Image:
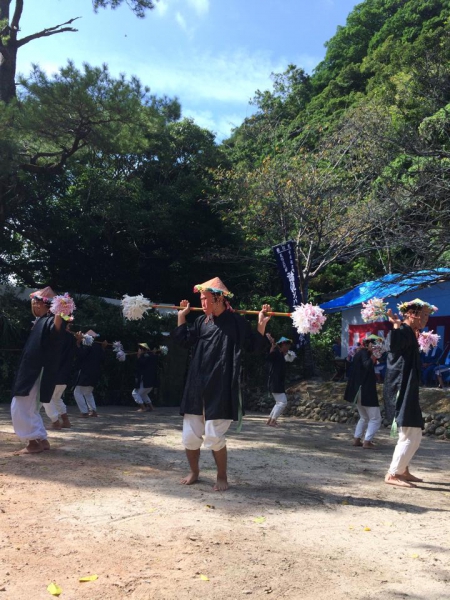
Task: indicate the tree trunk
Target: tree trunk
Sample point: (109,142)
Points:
(8,59)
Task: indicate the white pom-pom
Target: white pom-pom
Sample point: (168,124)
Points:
(135,307)
(290,356)
(164,350)
(307,318)
(88,340)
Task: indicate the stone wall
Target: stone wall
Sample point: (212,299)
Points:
(323,401)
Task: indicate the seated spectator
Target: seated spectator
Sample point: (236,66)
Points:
(429,361)
(442,372)
(336,347)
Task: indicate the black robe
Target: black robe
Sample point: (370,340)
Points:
(401,383)
(213,383)
(362,376)
(40,355)
(89,364)
(146,371)
(277,371)
(68,349)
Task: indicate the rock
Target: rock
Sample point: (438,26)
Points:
(440,430)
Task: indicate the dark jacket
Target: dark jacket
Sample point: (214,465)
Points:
(68,350)
(277,371)
(401,383)
(89,364)
(146,371)
(362,378)
(40,356)
(213,380)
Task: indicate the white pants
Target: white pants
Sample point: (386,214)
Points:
(27,421)
(280,405)
(56,406)
(195,427)
(369,421)
(141,395)
(85,398)
(409,439)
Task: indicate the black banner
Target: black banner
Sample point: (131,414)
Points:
(285,257)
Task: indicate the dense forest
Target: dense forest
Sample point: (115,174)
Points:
(106,190)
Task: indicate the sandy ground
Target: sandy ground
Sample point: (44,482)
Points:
(307,517)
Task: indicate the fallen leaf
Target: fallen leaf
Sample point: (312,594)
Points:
(414,556)
(210,506)
(367,529)
(151,510)
(259,519)
(203,577)
(88,578)
(54,589)
(351,527)
(344,502)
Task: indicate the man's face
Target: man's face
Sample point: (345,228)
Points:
(38,307)
(424,316)
(206,298)
(285,347)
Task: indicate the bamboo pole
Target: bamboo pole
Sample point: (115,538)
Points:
(242,312)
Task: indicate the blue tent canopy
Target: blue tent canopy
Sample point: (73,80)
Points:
(388,285)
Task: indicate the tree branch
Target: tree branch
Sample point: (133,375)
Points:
(17,15)
(49,31)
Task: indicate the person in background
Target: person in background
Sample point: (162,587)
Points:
(89,366)
(430,361)
(146,377)
(277,373)
(362,388)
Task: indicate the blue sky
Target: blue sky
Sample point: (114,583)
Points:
(212,54)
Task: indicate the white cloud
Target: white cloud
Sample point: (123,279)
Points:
(181,21)
(201,7)
(161,7)
(220,124)
(230,77)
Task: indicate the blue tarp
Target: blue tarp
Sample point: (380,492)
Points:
(389,285)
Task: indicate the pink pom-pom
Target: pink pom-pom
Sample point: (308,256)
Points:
(428,340)
(374,310)
(62,305)
(307,318)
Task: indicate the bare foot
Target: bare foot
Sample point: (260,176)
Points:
(395,480)
(221,484)
(368,445)
(269,422)
(45,445)
(274,424)
(33,447)
(190,479)
(149,407)
(357,442)
(407,476)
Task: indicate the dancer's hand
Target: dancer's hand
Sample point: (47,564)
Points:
(186,308)
(263,318)
(394,319)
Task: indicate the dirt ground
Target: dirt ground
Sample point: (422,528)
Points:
(307,515)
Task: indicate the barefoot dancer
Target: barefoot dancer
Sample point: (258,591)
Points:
(212,399)
(362,386)
(401,387)
(277,373)
(56,409)
(36,375)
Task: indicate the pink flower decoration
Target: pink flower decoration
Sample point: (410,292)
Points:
(428,340)
(307,318)
(62,305)
(374,310)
